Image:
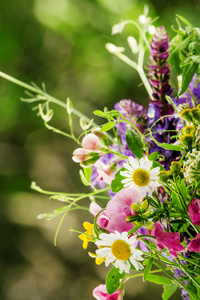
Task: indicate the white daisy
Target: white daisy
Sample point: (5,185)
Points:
(118,249)
(140,175)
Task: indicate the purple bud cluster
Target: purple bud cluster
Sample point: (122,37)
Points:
(159,72)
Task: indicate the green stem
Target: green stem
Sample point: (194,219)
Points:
(182,267)
(139,69)
(141,274)
(45,97)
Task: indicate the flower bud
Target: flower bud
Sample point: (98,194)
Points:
(69,106)
(90,162)
(145,205)
(150,225)
(187,115)
(175,167)
(187,140)
(165,175)
(135,207)
(188,129)
(196,115)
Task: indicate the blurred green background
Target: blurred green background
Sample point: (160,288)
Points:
(61,43)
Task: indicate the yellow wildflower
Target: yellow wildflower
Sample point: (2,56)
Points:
(98,260)
(87,236)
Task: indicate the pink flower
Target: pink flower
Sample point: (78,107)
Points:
(100,293)
(102,219)
(92,142)
(117,209)
(105,173)
(92,149)
(194,211)
(194,245)
(171,240)
(80,155)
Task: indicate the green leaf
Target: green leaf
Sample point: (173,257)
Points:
(183,190)
(169,290)
(175,199)
(88,173)
(153,156)
(159,279)
(147,269)
(116,184)
(157,164)
(134,142)
(83,178)
(134,230)
(198,289)
(113,280)
(185,21)
(100,113)
(188,73)
(181,46)
(165,145)
(107,126)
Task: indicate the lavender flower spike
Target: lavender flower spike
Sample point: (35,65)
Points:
(159,72)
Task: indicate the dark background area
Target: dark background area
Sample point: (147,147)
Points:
(61,43)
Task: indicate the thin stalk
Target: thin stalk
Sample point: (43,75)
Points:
(139,69)
(45,97)
(179,282)
(141,274)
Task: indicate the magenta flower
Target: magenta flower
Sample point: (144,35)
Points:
(194,245)
(194,211)
(100,293)
(170,240)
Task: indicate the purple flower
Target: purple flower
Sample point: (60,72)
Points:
(194,211)
(100,293)
(133,112)
(194,244)
(159,72)
(170,240)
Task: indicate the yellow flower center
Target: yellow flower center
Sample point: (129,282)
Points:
(121,250)
(141,177)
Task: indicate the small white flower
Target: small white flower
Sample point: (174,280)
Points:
(143,19)
(152,29)
(133,44)
(118,28)
(113,49)
(118,249)
(141,175)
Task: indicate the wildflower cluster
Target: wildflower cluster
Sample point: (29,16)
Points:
(142,168)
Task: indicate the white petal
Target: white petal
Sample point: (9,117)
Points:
(120,264)
(134,162)
(128,167)
(102,252)
(155,171)
(136,264)
(127,180)
(132,240)
(126,174)
(128,184)
(124,236)
(109,260)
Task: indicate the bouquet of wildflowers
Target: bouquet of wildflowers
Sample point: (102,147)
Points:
(145,163)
